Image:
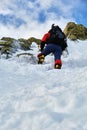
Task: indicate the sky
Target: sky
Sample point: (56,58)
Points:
(33,18)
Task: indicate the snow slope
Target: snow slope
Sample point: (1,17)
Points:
(38,97)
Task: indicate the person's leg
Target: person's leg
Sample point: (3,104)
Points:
(56,50)
(57,55)
(48,49)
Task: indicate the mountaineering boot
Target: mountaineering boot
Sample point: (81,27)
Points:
(58,64)
(41,59)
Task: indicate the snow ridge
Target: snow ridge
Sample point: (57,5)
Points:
(38,97)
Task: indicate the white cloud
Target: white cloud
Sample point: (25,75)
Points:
(4,7)
(29,12)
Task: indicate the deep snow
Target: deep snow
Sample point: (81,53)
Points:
(38,97)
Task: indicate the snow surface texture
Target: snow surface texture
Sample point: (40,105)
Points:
(38,97)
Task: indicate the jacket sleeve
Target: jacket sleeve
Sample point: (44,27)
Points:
(44,39)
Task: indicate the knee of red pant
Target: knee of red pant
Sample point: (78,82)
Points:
(59,62)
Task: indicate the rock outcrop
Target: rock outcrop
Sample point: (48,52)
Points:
(75,31)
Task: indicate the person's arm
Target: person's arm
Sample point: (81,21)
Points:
(44,39)
(42,45)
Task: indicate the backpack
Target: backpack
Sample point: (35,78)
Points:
(57,37)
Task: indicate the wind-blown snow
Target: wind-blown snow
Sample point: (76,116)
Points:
(38,97)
